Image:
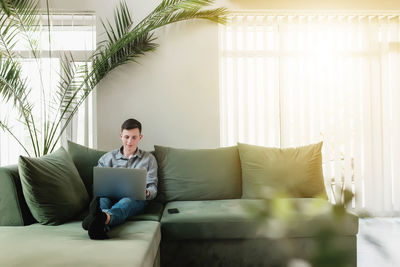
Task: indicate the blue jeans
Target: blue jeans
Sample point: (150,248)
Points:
(120,210)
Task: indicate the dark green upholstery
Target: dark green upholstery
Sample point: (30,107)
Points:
(198,174)
(218,232)
(131,244)
(85,159)
(52,187)
(222,233)
(261,252)
(234,219)
(207,219)
(13,208)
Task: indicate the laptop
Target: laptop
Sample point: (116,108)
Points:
(117,183)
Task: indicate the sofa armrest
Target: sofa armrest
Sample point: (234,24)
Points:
(13,208)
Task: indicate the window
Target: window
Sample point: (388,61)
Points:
(69,32)
(295,79)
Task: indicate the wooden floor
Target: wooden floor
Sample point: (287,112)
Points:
(378,242)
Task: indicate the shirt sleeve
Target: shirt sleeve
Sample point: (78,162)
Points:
(100,163)
(105,160)
(152,180)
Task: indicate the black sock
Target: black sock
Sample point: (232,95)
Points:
(96,227)
(94,209)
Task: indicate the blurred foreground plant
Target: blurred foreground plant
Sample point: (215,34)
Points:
(281,215)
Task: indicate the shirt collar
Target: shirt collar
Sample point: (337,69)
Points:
(120,155)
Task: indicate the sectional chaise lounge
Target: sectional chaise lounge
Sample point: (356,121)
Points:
(225,215)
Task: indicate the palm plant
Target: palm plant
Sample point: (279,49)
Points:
(125,43)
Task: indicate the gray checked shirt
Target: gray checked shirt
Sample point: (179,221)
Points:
(140,160)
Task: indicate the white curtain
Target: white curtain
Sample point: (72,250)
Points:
(295,79)
(75,32)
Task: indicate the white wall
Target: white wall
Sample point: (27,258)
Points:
(174,91)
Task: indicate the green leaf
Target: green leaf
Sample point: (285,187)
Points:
(5,7)
(125,43)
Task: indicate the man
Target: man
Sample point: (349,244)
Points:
(105,213)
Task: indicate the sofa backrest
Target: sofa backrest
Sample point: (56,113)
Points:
(13,208)
(85,159)
(198,174)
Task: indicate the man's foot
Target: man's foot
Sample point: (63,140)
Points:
(94,209)
(97,225)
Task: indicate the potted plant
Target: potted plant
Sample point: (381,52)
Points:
(125,43)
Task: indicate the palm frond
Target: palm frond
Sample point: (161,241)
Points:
(24,21)
(67,95)
(25,17)
(70,77)
(173,11)
(215,15)
(4,7)
(125,43)
(102,61)
(8,34)
(72,102)
(4,126)
(12,87)
(114,55)
(186,10)
(122,21)
(138,40)
(15,89)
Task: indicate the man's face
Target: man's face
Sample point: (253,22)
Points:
(130,139)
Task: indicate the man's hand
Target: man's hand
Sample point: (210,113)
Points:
(147,193)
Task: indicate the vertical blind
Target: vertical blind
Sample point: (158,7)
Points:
(75,33)
(295,79)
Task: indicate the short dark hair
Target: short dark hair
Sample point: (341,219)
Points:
(130,124)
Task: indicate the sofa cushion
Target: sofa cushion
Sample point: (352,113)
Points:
(242,219)
(13,208)
(260,252)
(85,159)
(294,171)
(52,187)
(131,244)
(152,212)
(198,174)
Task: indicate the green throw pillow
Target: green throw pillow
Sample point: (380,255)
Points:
(85,159)
(199,174)
(294,171)
(52,187)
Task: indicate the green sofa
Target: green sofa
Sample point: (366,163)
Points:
(215,225)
